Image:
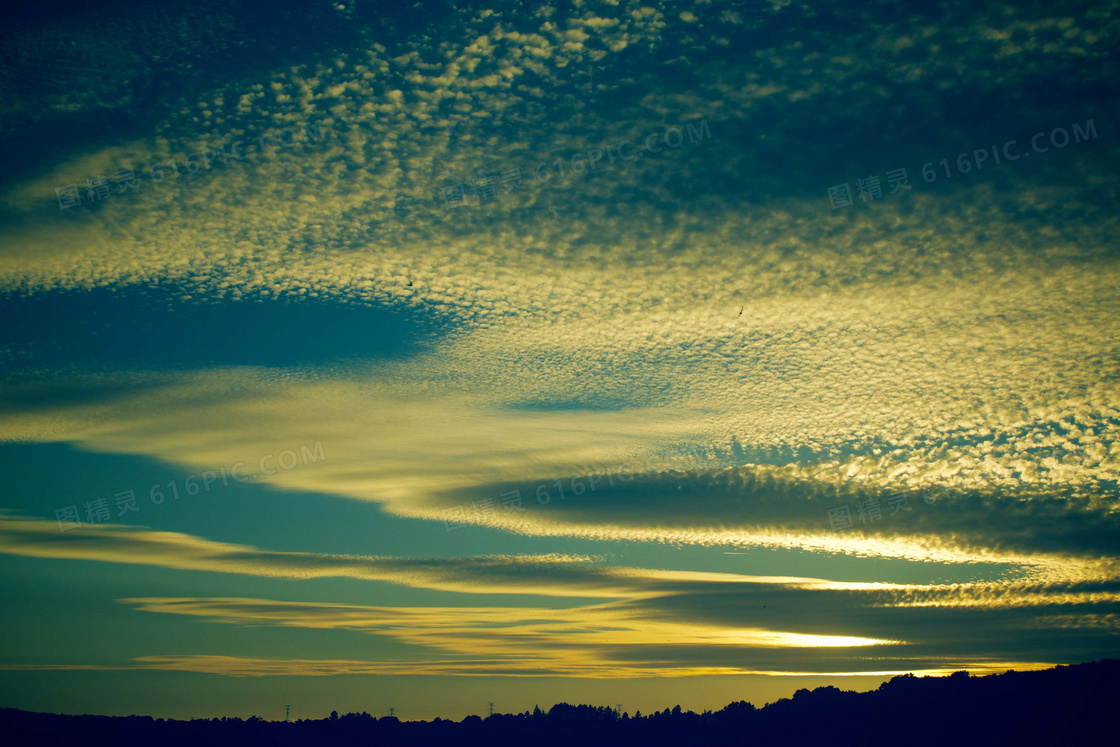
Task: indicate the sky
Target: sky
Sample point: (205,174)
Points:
(357,356)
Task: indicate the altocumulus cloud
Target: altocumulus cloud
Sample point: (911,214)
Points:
(957,337)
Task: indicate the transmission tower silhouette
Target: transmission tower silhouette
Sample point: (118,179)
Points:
(491,709)
(287,712)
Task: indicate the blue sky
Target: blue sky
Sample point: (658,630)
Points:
(604,352)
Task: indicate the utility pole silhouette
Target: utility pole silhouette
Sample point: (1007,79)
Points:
(491,709)
(287,712)
(391,710)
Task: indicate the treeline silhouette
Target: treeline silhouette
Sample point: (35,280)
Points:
(1064,705)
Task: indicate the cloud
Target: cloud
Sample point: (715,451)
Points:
(434,449)
(947,330)
(121,544)
(957,336)
(247,666)
(676,622)
(569,642)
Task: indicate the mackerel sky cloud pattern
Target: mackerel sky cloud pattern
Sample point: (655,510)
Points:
(824,442)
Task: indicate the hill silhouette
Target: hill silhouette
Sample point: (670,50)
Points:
(1064,705)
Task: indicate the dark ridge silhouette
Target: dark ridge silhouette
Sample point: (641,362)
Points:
(1067,705)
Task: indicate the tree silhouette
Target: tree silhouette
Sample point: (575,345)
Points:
(1066,705)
